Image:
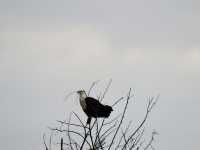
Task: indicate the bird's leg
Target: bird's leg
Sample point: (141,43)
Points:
(89,120)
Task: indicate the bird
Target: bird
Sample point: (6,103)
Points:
(92,107)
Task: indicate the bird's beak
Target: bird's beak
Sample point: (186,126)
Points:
(78,92)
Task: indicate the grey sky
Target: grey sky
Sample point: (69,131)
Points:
(50,47)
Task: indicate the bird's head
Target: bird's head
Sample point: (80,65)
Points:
(82,93)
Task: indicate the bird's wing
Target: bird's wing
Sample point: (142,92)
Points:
(93,106)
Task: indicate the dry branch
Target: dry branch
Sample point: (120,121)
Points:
(96,136)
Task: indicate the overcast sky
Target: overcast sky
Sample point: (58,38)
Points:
(49,48)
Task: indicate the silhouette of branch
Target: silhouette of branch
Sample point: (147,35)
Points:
(120,99)
(91,87)
(97,138)
(45,142)
(73,124)
(125,140)
(84,128)
(127,100)
(106,90)
(68,133)
(110,122)
(91,138)
(151,140)
(103,124)
(137,139)
(103,134)
(109,130)
(77,146)
(151,104)
(74,132)
(61,144)
(125,132)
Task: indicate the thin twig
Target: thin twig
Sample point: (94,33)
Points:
(85,133)
(111,121)
(75,132)
(151,140)
(117,101)
(68,133)
(137,139)
(45,142)
(148,110)
(106,89)
(90,131)
(128,97)
(91,87)
(72,124)
(125,132)
(97,139)
(61,144)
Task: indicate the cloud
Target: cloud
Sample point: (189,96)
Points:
(83,46)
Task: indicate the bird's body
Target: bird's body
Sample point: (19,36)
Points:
(93,108)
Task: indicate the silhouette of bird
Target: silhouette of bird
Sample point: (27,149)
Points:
(92,107)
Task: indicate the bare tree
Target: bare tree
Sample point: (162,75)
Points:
(102,134)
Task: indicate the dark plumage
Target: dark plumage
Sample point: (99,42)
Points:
(93,108)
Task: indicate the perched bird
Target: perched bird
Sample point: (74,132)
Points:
(92,107)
